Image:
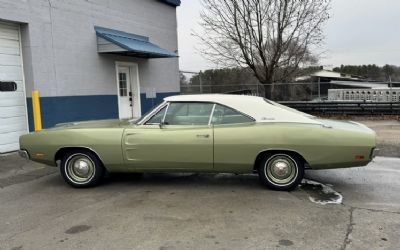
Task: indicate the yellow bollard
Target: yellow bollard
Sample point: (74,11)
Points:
(37,117)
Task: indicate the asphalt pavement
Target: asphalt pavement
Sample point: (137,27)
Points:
(200,211)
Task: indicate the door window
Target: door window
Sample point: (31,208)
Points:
(123,86)
(188,113)
(225,115)
(157,118)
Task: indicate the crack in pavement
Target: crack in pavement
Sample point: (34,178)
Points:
(376,210)
(350,226)
(349,230)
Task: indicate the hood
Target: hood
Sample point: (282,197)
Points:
(111,123)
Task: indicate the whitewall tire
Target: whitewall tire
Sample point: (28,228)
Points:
(81,168)
(281,171)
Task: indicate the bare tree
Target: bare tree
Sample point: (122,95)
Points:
(264,35)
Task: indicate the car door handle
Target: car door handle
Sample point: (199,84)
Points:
(203,136)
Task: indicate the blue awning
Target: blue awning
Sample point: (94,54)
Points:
(111,41)
(172,2)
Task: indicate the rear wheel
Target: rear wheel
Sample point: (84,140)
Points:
(81,168)
(281,171)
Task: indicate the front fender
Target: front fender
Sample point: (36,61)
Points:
(42,146)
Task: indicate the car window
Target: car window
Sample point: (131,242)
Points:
(225,115)
(188,113)
(157,118)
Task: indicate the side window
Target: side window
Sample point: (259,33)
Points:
(157,118)
(188,113)
(225,115)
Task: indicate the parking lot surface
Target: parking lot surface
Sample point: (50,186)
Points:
(198,211)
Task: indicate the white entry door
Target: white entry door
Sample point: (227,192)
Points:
(128,91)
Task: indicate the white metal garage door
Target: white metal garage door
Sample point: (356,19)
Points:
(13,117)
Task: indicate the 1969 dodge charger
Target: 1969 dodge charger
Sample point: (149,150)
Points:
(204,133)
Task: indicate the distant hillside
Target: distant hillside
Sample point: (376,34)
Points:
(372,71)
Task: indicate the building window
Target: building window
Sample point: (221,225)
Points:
(123,87)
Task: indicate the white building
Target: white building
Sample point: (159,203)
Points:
(375,95)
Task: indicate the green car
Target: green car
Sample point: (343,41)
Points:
(204,133)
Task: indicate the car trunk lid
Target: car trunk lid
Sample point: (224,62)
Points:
(345,125)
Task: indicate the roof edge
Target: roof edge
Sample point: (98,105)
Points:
(174,3)
(102,30)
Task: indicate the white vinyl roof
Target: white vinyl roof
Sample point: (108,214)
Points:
(260,109)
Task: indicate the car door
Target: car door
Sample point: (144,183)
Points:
(234,140)
(178,137)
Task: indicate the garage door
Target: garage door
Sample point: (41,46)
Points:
(13,117)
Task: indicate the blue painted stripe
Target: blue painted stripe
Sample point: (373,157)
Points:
(149,103)
(58,109)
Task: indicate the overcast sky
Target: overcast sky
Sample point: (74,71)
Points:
(359,32)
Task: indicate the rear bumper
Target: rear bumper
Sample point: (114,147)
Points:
(23,154)
(374,153)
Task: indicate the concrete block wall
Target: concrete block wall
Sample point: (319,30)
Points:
(60,50)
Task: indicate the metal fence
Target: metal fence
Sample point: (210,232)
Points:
(277,92)
(313,97)
(347,107)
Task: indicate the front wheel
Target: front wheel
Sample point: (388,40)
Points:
(81,169)
(281,171)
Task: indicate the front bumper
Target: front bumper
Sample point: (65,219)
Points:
(23,154)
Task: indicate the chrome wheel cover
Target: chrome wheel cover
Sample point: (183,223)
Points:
(281,170)
(79,168)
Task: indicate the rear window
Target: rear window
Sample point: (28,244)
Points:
(225,115)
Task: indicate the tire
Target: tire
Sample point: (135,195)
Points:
(281,171)
(81,168)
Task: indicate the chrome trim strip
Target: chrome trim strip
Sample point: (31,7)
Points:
(162,105)
(211,115)
(78,147)
(374,152)
(283,149)
(152,113)
(165,114)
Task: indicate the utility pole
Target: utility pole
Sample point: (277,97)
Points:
(390,87)
(319,88)
(201,83)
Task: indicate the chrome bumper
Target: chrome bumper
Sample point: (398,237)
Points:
(23,154)
(374,153)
